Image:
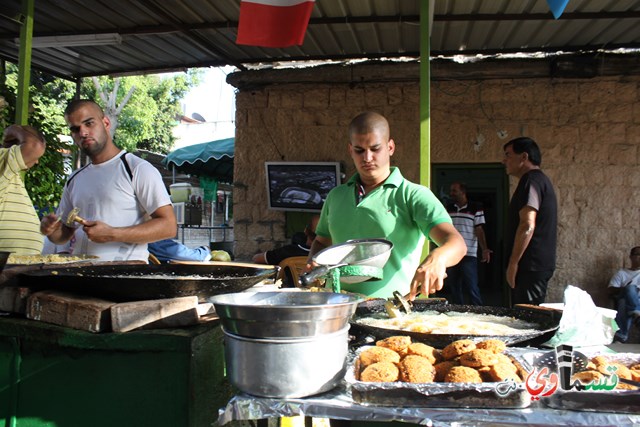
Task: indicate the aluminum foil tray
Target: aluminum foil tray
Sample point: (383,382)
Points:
(441,395)
(617,401)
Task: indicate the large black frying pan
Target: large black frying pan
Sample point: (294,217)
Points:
(546,320)
(138,282)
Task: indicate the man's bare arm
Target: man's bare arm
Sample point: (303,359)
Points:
(523,236)
(430,274)
(162,225)
(485,252)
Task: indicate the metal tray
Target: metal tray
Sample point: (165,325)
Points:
(440,395)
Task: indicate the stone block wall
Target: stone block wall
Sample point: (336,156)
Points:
(588,131)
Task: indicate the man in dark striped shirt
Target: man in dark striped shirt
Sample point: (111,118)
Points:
(468,219)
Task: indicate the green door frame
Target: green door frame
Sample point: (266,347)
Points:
(483,179)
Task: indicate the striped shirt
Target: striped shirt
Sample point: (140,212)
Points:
(465,220)
(19,223)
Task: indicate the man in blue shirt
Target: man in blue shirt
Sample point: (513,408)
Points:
(169,249)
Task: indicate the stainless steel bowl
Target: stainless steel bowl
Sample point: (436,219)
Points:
(284,314)
(284,368)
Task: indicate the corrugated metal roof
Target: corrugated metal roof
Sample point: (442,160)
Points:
(165,35)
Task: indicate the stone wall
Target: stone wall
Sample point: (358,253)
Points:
(588,131)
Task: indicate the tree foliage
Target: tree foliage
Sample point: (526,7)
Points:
(148,119)
(146,122)
(45,181)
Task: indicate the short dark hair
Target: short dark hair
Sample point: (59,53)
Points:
(527,145)
(462,185)
(369,122)
(76,104)
(635,249)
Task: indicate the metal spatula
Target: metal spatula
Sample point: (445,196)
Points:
(397,306)
(74,217)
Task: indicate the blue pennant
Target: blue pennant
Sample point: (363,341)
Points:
(557,7)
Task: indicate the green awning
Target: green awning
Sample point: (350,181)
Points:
(211,159)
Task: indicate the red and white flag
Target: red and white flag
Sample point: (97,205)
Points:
(273,23)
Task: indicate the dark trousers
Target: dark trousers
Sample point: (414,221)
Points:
(531,287)
(626,302)
(462,278)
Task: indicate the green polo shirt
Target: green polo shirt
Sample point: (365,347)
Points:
(398,210)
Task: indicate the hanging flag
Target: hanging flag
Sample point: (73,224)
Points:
(557,7)
(273,23)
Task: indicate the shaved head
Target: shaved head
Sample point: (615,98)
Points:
(369,122)
(77,104)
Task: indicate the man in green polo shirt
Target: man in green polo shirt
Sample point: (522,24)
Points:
(378,202)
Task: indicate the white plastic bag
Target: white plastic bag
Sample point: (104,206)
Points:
(583,323)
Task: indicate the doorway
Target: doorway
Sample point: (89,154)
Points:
(488,184)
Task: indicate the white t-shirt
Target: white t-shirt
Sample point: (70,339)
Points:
(106,193)
(625,276)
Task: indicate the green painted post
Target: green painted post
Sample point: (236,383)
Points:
(425,95)
(24,63)
(425,100)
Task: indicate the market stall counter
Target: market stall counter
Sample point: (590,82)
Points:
(52,375)
(620,408)
(338,404)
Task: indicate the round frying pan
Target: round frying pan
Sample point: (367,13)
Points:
(546,320)
(138,282)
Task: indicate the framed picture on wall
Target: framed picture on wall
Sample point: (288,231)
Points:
(300,186)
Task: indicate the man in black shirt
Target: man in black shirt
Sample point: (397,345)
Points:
(532,224)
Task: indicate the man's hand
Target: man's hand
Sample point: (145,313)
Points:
(49,224)
(99,232)
(486,255)
(512,271)
(32,144)
(429,276)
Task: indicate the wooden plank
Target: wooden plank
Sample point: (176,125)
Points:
(74,311)
(13,299)
(151,314)
(205,308)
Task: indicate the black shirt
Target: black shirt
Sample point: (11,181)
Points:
(540,255)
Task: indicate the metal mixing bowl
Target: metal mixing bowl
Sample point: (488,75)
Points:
(282,368)
(284,314)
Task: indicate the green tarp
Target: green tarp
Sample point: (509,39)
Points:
(211,159)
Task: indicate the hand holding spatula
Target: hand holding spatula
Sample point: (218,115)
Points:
(74,217)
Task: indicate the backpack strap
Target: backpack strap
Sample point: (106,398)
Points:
(75,174)
(126,165)
(124,162)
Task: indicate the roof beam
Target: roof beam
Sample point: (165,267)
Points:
(446,54)
(190,27)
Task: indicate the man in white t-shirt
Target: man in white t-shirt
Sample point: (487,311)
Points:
(624,288)
(116,194)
